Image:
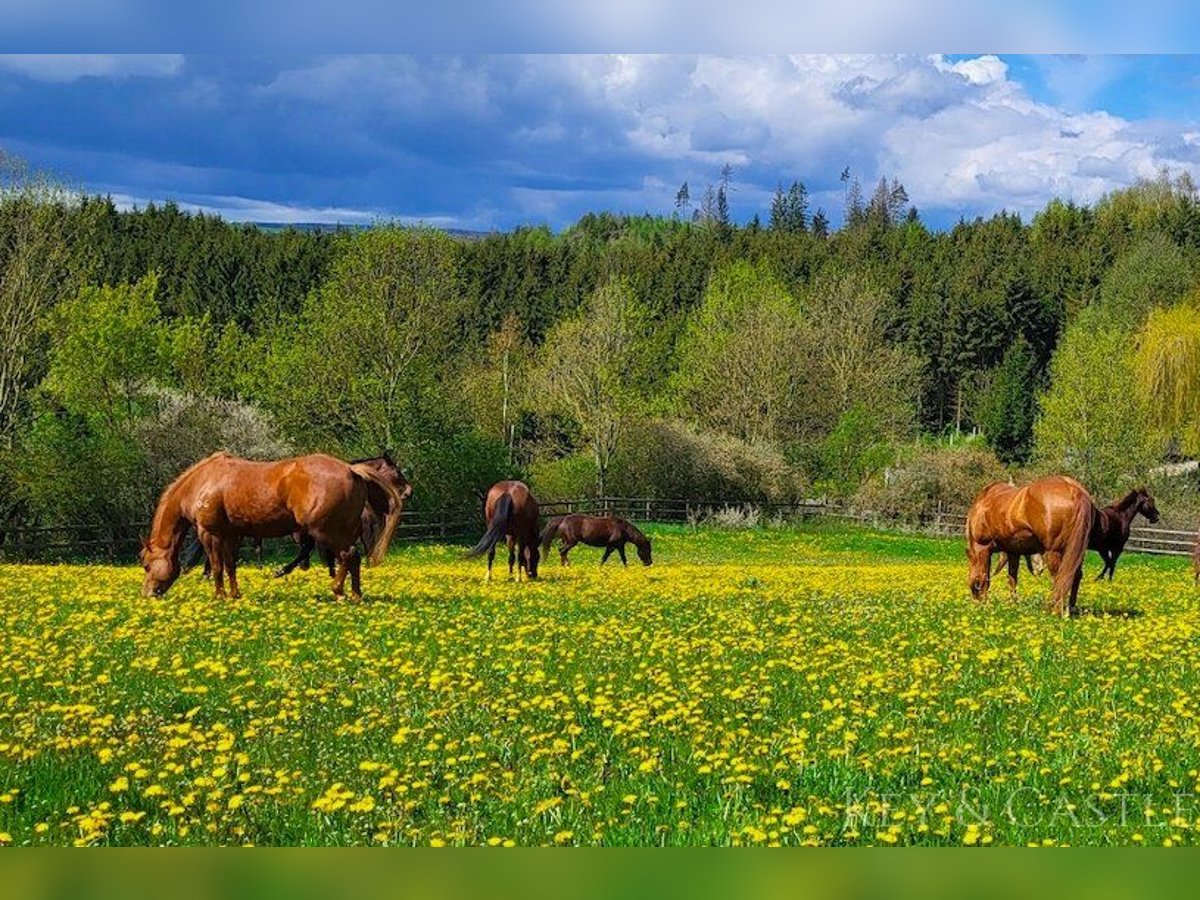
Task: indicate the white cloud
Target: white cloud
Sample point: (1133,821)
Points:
(72,66)
(959,134)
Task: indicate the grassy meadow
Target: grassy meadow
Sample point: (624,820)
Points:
(774,686)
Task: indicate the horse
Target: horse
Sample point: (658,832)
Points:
(511,513)
(385,466)
(1052,516)
(1110,531)
(595,531)
(1110,528)
(227,498)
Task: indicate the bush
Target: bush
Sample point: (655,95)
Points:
(856,449)
(930,476)
(568,478)
(664,458)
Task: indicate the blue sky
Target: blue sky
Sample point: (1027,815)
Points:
(495,141)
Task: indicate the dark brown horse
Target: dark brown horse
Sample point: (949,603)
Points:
(227,499)
(1110,532)
(1110,527)
(511,514)
(371,522)
(595,531)
(1052,516)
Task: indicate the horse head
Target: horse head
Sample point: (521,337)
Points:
(1146,505)
(162,568)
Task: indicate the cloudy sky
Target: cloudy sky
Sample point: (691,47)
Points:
(495,141)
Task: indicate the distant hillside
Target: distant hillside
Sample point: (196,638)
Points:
(272,227)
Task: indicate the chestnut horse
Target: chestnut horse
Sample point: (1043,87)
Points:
(511,514)
(595,531)
(227,498)
(371,522)
(1051,516)
(1110,532)
(384,465)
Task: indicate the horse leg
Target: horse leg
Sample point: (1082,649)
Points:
(330,558)
(563,549)
(491,559)
(231,563)
(354,565)
(1075,591)
(307,545)
(215,547)
(621,553)
(607,553)
(1014,569)
(512,558)
(339,579)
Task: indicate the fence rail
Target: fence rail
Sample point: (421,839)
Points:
(47,542)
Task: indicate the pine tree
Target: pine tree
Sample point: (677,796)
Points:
(779,209)
(820,224)
(797,207)
(683,199)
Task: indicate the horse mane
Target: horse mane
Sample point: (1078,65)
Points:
(1128,500)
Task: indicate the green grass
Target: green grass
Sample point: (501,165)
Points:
(818,685)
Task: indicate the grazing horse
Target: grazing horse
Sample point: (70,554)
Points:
(371,521)
(595,531)
(511,514)
(1052,516)
(1110,531)
(1110,528)
(227,499)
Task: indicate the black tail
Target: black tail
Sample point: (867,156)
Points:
(550,532)
(495,532)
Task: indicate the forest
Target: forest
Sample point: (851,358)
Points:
(676,354)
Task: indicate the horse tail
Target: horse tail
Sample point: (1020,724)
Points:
(1080,525)
(496,531)
(550,532)
(387,505)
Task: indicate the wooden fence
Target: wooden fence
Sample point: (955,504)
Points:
(21,543)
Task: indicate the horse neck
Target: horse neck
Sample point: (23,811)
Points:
(169,524)
(632,534)
(1124,510)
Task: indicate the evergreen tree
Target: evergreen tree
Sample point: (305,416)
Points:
(682,199)
(1008,408)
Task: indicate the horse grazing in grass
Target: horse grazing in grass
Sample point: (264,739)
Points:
(1052,516)
(511,514)
(595,531)
(1110,532)
(371,521)
(227,499)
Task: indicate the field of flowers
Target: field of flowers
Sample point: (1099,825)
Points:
(757,687)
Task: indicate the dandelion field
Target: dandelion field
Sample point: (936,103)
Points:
(779,686)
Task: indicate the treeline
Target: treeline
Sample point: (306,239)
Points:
(680,355)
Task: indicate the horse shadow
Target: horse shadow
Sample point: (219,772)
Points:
(1109,612)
